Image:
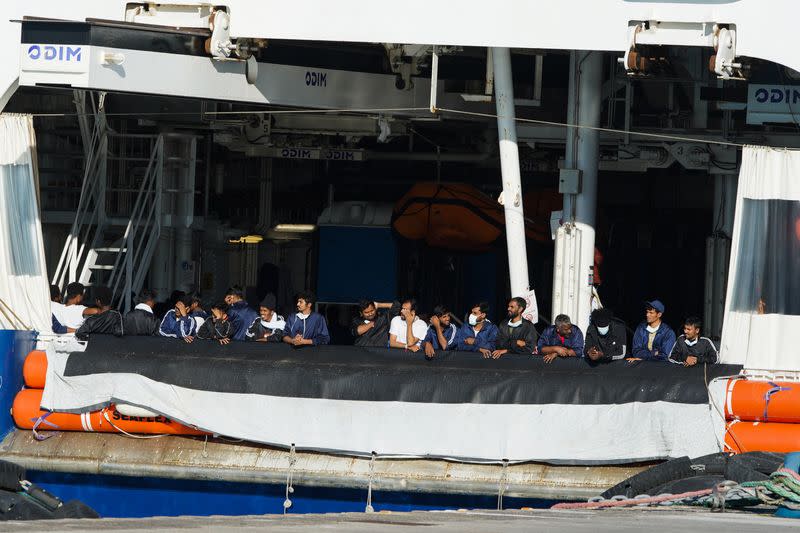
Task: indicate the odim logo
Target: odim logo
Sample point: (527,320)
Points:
(782,95)
(54,53)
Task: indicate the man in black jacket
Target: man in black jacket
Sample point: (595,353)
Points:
(217,327)
(690,348)
(371,328)
(268,325)
(606,338)
(106,321)
(141,320)
(518,335)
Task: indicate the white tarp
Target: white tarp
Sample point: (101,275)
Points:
(24,290)
(762,310)
(556,433)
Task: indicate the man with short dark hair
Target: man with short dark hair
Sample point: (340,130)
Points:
(56,308)
(217,327)
(269,325)
(306,327)
(140,320)
(690,348)
(371,328)
(562,339)
(606,337)
(441,333)
(407,330)
(478,334)
(105,320)
(73,313)
(653,339)
(240,314)
(518,335)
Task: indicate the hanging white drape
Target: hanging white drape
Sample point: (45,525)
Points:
(24,289)
(762,310)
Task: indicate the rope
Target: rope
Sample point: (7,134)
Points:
(369,508)
(595,128)
(502,485)
(634,501)
(108,419)
(287,503)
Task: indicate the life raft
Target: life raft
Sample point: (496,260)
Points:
(762,416)
(28,415)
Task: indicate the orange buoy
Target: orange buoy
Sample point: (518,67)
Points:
(762,437)
(26,412)
(762,401)
(34,369)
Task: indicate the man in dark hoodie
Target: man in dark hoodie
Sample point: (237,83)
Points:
(371,328)
(240,314)
(105,321)
(269,325)
(606,338)
(141,320)
(306,327)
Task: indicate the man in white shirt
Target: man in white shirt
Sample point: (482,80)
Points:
(73,313)
(407,330)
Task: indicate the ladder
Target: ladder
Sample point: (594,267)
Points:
(118,221)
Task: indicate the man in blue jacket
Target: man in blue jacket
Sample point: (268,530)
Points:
(562,339)
(653,339)
(306,328)
(478,334)
(240,315)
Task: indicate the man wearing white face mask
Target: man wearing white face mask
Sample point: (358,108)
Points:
(478,334)
(653,339)
(306,328)
(605,337)
(691,348)
(518,335)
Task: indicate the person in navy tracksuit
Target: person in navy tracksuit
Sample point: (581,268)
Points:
(178,322)
(562,339)
(240,315)
(306,327)
(478,334)
(653,339)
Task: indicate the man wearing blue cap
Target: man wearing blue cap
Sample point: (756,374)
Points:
(653,339)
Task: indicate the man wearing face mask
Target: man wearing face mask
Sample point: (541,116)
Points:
(518,335)
(691,348)
(606,338)
(306,328)
(407,330)
(562,339)
(653,339)
(371,328)
(478,334)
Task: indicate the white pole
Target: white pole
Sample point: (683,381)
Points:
(509,166)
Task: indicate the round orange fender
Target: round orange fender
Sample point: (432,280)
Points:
(764,401)
(763,437)
(34,369)
(26,412)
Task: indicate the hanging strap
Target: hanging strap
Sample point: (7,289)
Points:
(287,503)
(43,420)
(768,396)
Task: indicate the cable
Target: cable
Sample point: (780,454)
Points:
(596,128)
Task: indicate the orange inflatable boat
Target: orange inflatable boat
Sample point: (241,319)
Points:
(34,369)
(26,413)
(762,401)
(763,437)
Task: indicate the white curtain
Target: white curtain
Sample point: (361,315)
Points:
(762,311)
(24,289)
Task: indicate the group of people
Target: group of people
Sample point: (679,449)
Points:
(394,325)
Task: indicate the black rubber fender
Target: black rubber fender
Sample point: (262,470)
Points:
(10,476)
(653,477)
